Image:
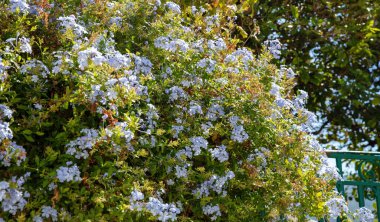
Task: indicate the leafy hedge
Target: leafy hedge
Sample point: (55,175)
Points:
(143,111)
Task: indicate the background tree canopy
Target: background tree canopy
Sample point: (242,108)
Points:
(334,47)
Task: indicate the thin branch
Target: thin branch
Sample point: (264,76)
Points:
(321,128)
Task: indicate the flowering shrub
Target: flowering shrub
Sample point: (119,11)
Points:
(143,111)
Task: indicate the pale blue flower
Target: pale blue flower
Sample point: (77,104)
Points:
(22,5)
(274,47)
(220,153)
(364,215)
(163,211)
(217,45)
(215,183)
(80,147)
(25,45)
(207,64)
(337,206)
(5,131)
(37,219)
(212,210)
(69,173)
(173,7)
(5,111)
(49,212)
(69,22)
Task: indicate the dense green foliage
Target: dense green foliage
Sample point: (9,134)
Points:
(142,111)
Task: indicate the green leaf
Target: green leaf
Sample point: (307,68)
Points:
(372,123)
(27,132)
(39,133)
(60,135)
(37,160)
(295,12)
(376,101)
(66,105)
(28,138)
(243,33)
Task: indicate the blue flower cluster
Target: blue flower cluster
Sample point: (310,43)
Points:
(10,150)
(12,194)
(163,211)
(68,173)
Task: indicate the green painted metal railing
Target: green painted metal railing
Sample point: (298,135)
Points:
(367,180)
